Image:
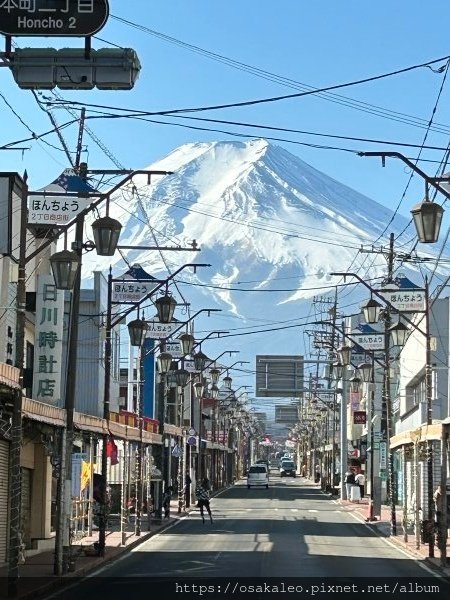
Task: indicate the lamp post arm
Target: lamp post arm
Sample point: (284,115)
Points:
(208,310)
(91,207)
(157,288)
(207,337)
(433,181)
(349,337)
(374,291)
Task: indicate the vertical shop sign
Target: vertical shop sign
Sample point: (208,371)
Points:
(48,342)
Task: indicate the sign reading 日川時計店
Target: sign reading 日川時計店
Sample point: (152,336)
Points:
(79,18)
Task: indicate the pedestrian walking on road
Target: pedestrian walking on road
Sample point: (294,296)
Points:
(202,494)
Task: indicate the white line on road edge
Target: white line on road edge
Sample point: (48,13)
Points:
(396,547)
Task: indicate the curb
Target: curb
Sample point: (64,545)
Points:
(61,582)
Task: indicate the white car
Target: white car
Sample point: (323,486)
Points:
(257,476)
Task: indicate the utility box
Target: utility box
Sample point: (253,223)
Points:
(33,68)
(73,70)
(69,69)
(116,69)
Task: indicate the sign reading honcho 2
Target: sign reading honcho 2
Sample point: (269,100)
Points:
(53,17)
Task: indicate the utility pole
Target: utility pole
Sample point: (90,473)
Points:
(63,533)
(15,487)
(333,344)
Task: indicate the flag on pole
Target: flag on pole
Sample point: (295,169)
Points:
(85,475)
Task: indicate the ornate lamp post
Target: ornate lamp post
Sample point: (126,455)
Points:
(367,372)
(344,353)
(137,330)
(427,218)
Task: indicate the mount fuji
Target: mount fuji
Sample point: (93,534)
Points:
(271,226)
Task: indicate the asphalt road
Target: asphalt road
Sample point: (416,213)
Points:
(289,530)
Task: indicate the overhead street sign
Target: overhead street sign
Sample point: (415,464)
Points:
(368,341)
(78,18)
(134,285)
(406,300)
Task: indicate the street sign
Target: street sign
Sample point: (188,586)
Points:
(359,417)
(158,331)
(368,341)
(174,348)
(177,452)
(60,210)
(192,440)
(383,456)
(406,300)
(132,286)
(47,18)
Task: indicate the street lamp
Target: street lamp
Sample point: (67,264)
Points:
(199,389)
(427,218)
(65,265)
(165,306)
(337,369)
(137,330)
(399,333)
(164,361)
(354,384)
(200,360)
(367,372)
(106,232)
(371,310)
(187,342)
(345,355)
(214,374)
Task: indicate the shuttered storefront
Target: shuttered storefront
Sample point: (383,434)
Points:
(25,513)
(4,496)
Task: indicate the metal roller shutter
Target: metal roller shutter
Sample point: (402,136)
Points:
(25,512)
(4,497)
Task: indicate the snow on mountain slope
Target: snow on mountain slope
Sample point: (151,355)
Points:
(271,226)
(258,212)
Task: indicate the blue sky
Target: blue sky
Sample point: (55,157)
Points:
(317,43)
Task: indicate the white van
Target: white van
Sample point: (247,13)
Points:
(258,475)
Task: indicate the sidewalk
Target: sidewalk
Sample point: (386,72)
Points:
(36,576)
(383,527)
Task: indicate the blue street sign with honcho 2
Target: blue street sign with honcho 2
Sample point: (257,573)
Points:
(79,18)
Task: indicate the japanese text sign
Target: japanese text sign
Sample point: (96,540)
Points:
(130,290)
(159,331)
(368,341)
(406,300)
(48,344)
(53,17)
(359,417)
(47,209)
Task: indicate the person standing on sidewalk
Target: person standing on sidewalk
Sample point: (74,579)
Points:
(187,489)
(202,494)
(317,473)
(166,502)
(349,480)
(360,480)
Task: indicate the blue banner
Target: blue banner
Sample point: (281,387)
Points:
(149,378)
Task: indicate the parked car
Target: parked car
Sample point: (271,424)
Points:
(258,475)
(288,469)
